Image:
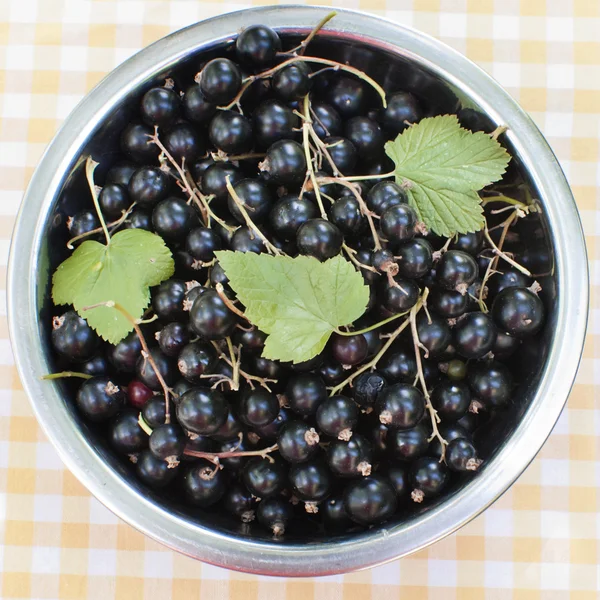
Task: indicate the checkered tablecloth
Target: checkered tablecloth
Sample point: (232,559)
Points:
(541,540)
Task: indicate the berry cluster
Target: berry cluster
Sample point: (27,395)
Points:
(273,151)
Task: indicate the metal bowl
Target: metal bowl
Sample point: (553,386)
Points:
(399,58)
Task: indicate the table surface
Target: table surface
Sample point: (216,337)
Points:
(541,540)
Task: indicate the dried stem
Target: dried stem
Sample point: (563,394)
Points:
(306,126)
(351,252)
(235,362)
(64,374)
(215,457)
(90,167)
(432,412)
(249,222)
(145,349)
(228,303)
(498,252)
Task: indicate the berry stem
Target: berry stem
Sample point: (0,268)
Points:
(498,252)
(369,177)
(228,303)
(249,222)
(145,349)
(506,200)
(351,252)
(63,374)
(300,48)
(90,167)
(306,126)
(371,327)
(143,425)
(417,344)
(235,362)
(214,457)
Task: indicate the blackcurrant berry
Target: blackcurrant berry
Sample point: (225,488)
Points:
(97,365)
(468,242)
(285,163)
(210,318)
(366,136)
(370,500)
(172,338)
(397,475)
(428,477)
(145,370)
(398,223)
(244,240)
(367,388)
(271,430)
(400,406)
(167,442)
(125,354)
(139,219)
(292,82)
(434,335)
(474,335)
(448,303)
(81,223)
(231,132)
(500,281)
(204,484)
(73,337)
(196,107)
(288,213)
(113,200)
(258,407)
(153,471)
(332,372)
(125,435)
(342,153)
(121,173)
(214,179)
(347,95)
(99,399)
(238,502)
(451,399)
(462,456)
(406,445)
(220,80)
(456,270)
(349,349)
(160,106)
(136,144)
(326,120)
(173,218)
(196,359)
(385,194)
(312,481)
(264,478)
(251,341)
(154,411)
(345,213)
(518,311)
(229,431)
(202,410)
(451,431)
(167,300)
(273,121)
(255,197)
(402,107)
(337,416)
(414,258)
(319,238)
(257,46)
(184,143)
(400,297)
(274,514)
(202,243)
(297,441)
(505,345)
(350,458)
(333,511)
(148,186)
(399,366)
(490,383)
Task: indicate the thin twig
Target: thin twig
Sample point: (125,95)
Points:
(235,361)
(215,457)
(145,349)
(498,252)
(228,303)
(111,227)
(306,125)
(300,48)
(66,374)
(90,167)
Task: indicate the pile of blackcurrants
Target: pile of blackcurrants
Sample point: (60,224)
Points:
(274,151)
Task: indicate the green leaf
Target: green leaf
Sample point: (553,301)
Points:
(121,272)
(298,302)
(442,166)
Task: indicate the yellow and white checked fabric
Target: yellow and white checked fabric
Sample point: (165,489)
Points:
(541,540)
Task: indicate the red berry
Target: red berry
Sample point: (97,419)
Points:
(138,394)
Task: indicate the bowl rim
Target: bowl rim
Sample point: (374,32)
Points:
(372,547)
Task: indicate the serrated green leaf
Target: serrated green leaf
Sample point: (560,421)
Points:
(442,166)
(121,272)
(298,302)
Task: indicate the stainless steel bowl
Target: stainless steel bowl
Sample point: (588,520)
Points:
(399,58)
